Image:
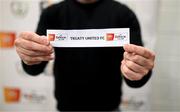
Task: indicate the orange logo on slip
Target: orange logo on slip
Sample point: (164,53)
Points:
(11,95)
(7,39)
(110,36)
(51,37)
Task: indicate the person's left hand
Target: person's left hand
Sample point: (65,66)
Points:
(137,62)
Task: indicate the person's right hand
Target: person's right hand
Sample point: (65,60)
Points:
(33,49)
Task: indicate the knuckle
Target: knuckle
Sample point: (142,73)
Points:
(29,36)
(31,53)
(26,62)
(51,49)
(135,58)
(153,56)
(126,71)
(138,77)
(27,58)
(19,54)
(130,78)
(35,59)
(133,78)
(42,58)
(18,51)
(22,34)
(16,43)
(47,49)
(22,57)
(31,45)
(145,52)
(131,64)
(151,65)
(124,55)
(145,71)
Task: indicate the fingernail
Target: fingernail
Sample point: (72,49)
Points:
(52,56)
(122,62)
(133,54)
(46,42)
(51,49)
(125,46)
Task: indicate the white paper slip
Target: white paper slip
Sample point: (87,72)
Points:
(115,37)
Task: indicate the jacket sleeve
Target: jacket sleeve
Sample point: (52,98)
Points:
(135,38)
(41,30)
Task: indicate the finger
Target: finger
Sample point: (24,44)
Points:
(29,45)
(129,74)
(34,37)
(138,50)
(136,68)
(35,59)
(144,62)
(31,52)
(32,63)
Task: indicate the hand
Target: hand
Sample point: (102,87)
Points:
(33,49)
(137,62)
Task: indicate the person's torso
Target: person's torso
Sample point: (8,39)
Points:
(87,78)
